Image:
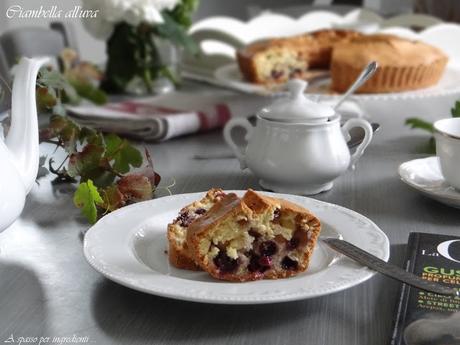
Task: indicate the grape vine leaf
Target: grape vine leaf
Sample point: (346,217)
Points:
(122,153)
(135,187)
(89,165)
(64,128)
(81,163)
(455,111)
(87,198)
(89,91)
(113,198)
(52,79)
(414,122)
(149,170)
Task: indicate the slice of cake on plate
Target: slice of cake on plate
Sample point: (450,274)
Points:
(177,230)
(256,237)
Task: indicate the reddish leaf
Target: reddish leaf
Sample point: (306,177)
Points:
(82,163)
(113,198)
(135,187)
(149,170)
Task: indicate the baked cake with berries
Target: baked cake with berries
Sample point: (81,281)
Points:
(256,237)
(177,230)
(274,61)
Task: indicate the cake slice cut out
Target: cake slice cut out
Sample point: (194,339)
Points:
(178,252)
(256,237)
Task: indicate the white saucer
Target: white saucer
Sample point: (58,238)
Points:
(425,176)
(128,247)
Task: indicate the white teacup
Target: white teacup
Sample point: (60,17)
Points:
(447,135)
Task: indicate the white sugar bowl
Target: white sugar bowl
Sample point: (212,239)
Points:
(297,145)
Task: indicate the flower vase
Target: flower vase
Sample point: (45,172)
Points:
(139,62)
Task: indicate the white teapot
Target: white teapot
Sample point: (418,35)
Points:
(297,145)
(19,153)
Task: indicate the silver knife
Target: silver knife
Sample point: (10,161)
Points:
(386,268)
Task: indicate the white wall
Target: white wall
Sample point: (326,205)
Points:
(90,48)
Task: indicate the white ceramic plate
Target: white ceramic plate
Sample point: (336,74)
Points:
(128,246)
(231,77)
(425,176)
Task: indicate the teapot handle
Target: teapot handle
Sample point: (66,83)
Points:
(368,133)
(237,150)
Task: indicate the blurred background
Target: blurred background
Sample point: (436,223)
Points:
(94,50)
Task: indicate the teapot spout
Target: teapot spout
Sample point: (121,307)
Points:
(22,139)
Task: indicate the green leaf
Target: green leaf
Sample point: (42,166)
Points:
(168,73)
(171,30)
(51,79)
(89,164)
(455,111)
(66,130)
(45,99)
(420,124)
(182,13)
(122,153)
(90,136)
(88,91)
(86,162)
(87,198)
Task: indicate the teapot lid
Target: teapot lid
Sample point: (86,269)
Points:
(296,107)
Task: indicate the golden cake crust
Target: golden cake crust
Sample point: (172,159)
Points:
(403,64)
(246,211)
(257,202)
(327,39)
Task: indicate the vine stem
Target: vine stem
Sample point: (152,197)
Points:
(60,166)
(112,170)
(147,77)
(50,141)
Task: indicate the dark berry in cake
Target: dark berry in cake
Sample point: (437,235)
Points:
(277,74)
(276,215)
(268,248)
(184,219)
(225,263)
(254,263)
(265,261)
(200,211)
(253,232)
(289,264)
(293,243)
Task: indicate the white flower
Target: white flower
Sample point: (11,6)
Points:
(99,28)
(134,12)
(165,4)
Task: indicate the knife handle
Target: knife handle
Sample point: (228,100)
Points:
(387,268)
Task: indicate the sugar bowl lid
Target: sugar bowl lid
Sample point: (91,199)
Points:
(296,107)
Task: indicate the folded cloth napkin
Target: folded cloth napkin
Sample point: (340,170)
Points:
(165,117)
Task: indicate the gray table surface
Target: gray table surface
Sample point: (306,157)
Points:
(48,290)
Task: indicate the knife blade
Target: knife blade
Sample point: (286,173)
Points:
(386,268)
